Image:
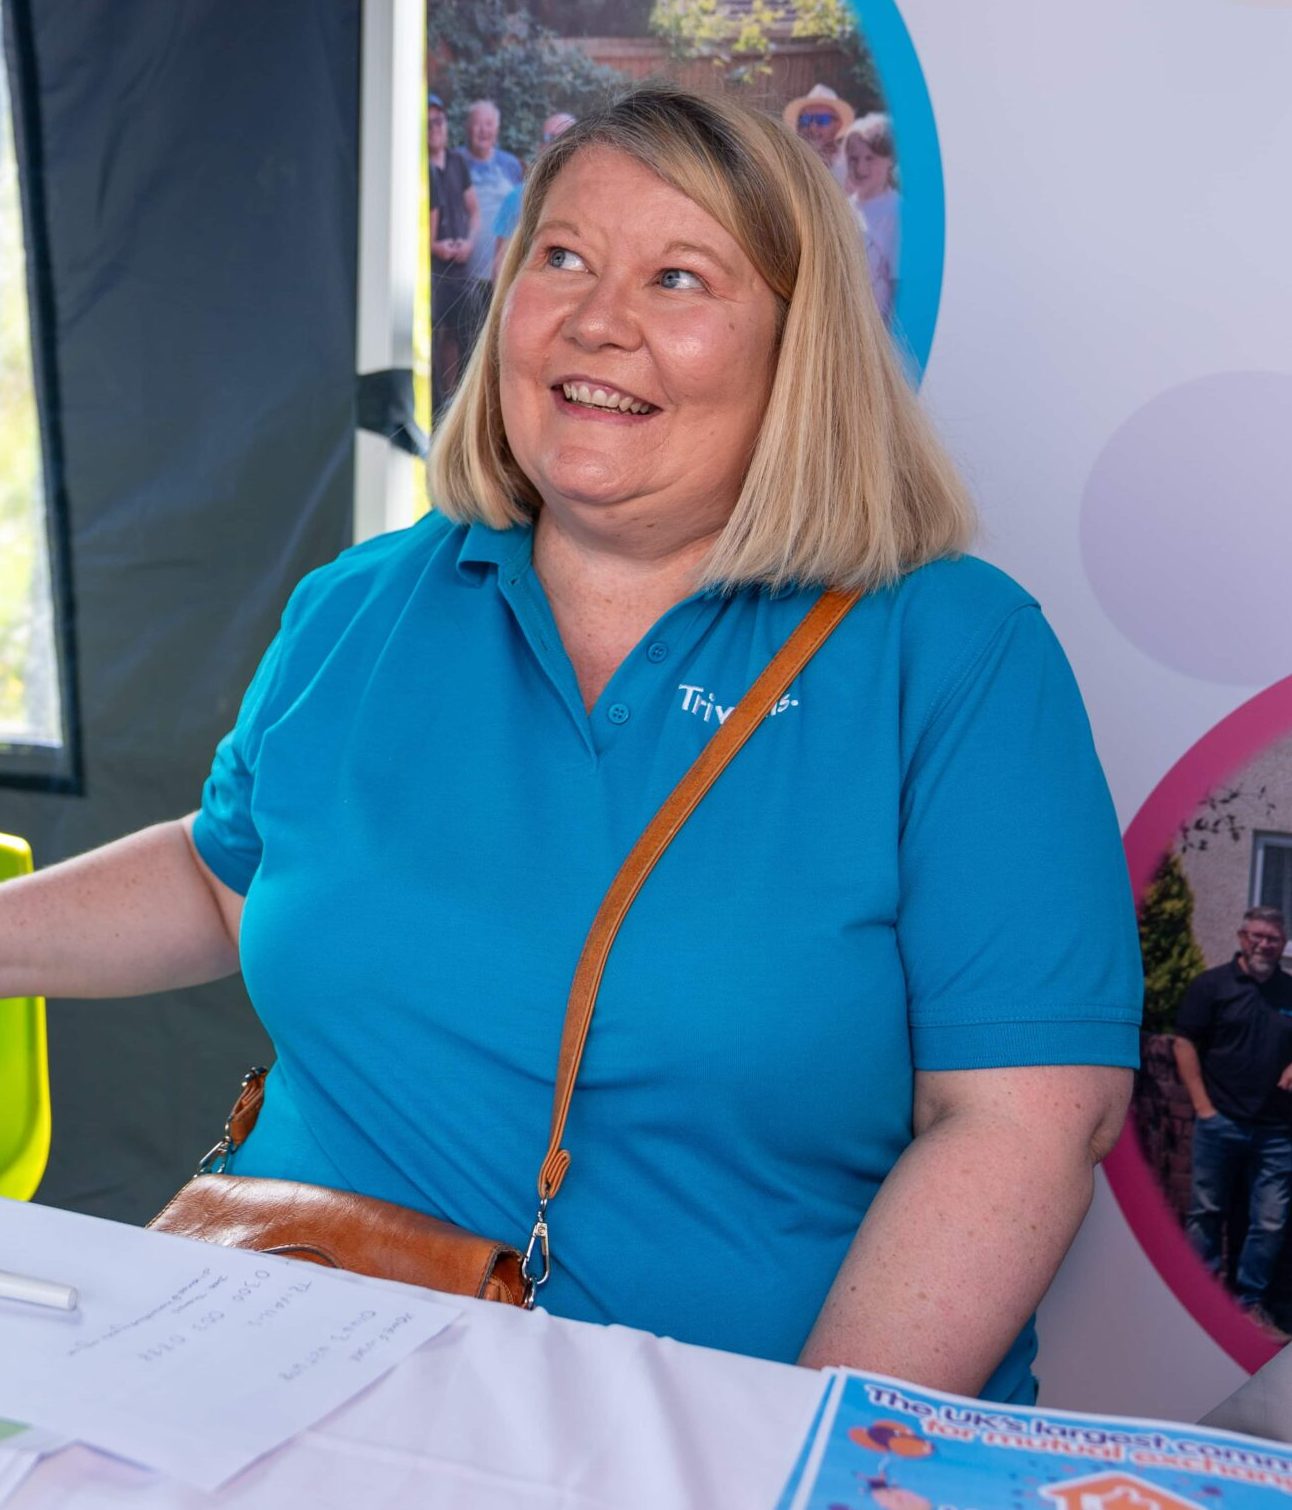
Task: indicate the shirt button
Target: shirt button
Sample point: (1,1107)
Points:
(657,652)
(618,713)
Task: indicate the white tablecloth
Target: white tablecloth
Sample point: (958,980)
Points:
(506,1411)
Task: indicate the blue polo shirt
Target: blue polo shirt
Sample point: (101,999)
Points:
(912,864)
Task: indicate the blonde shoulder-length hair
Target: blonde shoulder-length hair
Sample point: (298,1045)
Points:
(846,484)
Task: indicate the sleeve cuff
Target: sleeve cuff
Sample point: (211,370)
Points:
(225,864)
(1004,1045)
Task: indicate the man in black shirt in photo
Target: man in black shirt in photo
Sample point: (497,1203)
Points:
(1233,1049)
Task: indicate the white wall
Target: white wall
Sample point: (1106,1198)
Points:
(1113,368)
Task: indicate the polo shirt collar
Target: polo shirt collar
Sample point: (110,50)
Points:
(510,550)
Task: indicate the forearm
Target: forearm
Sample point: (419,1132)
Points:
(952,1259)
(972,1222)
(135,916)
(1189,1065)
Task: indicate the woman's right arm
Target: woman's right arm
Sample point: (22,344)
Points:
(141,914)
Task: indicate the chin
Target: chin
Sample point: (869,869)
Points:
(594,498)
(586,490)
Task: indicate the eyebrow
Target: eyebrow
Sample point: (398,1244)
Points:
(552,225)
(696,249)
(690,248)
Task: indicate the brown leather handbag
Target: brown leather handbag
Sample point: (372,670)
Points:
(357,1232)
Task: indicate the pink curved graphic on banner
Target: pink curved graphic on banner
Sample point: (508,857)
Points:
(1234,742)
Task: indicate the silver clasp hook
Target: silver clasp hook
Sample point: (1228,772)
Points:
(538,1236)
(216,1160)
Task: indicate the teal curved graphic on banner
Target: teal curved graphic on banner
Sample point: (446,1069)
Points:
(919,288)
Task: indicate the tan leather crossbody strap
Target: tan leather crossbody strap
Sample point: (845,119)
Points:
(749,712)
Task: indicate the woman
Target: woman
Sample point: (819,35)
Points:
(872,186)
(861,1038)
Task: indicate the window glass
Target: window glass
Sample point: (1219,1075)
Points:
(31,716)
(1273,878)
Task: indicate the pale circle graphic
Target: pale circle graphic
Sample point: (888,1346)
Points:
(1185,524)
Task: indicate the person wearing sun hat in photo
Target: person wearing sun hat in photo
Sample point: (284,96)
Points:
(820,118)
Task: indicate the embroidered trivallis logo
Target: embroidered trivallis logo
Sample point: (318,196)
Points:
(702,704)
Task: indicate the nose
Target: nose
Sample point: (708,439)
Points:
(605,316)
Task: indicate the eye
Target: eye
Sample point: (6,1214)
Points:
(562,257)
(678,277)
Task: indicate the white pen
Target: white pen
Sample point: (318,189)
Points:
(37,1292)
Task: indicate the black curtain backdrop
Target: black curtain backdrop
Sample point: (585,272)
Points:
(199,177)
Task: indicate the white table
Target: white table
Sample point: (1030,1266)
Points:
(507,1411)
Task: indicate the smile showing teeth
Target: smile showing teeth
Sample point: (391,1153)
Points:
(605,398)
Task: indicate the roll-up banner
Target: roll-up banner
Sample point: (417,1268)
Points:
(1076,223)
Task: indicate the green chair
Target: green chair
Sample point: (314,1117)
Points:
(24,1069)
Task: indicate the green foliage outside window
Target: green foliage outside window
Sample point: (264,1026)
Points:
(1172,958)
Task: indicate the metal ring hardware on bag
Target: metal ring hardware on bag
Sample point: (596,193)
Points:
(808,637)
(216,1160)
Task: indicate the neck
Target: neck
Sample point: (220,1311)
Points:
(628,568)
(605,599)
(438,158)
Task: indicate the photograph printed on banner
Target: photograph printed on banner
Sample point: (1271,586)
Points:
(1213,1099)
(503,80)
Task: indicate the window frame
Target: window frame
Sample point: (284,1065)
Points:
(1264,839)
(392,130)
(33,766)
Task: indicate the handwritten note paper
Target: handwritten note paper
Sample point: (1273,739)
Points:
(191,1359)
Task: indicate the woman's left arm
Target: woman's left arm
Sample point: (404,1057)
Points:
(971,1224)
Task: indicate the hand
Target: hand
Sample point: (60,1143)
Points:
(1285,1079)
(463,250)
(1205,1114)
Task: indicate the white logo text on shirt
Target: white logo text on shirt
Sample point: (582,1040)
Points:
(702,704)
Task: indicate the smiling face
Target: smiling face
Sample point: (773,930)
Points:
(636,354)
(1260,947)
(818,125)
(869,172)
(482,131)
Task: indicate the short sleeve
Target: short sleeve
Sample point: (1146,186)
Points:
(224,832)
(1015,920)
(1193,1020)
